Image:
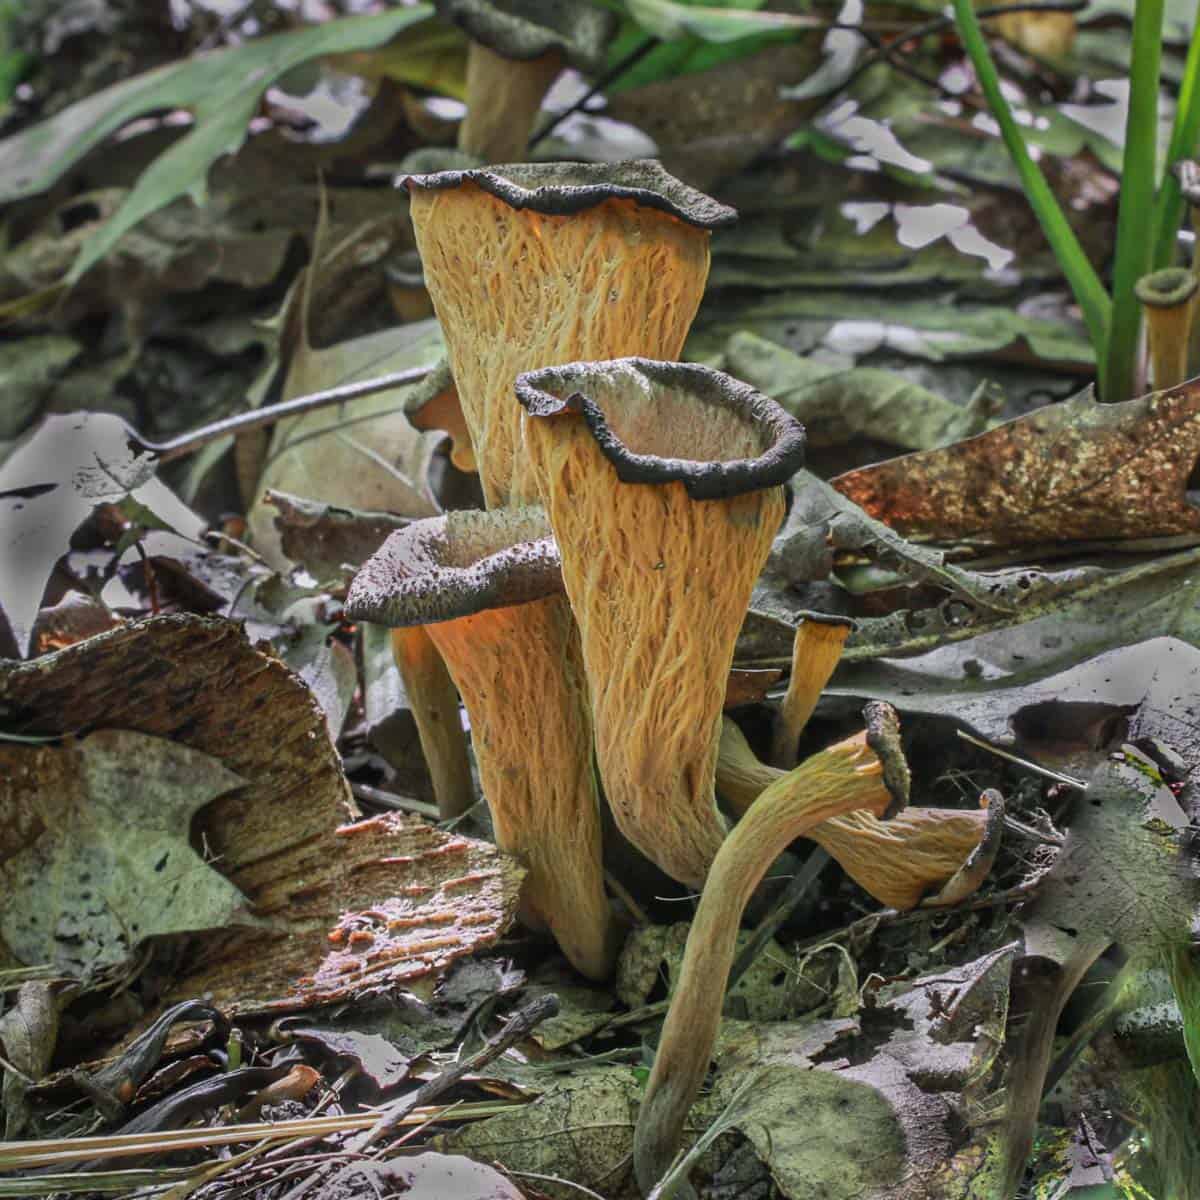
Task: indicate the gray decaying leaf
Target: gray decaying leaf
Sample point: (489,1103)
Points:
(50,484)
(111,865)
(907,1100)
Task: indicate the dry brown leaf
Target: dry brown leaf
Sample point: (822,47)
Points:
(1073,471)
(353,907)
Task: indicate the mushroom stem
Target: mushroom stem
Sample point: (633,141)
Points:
(857,773)
(434,704)
(815,653)
(1169,300)
(504,97)
(488,590)
(536,771)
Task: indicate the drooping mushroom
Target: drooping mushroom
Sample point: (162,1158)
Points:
(487,588)
(918,854)
(517,50)
(815,653)
(662,482)
(1169,301)
(546,263)
(866,771)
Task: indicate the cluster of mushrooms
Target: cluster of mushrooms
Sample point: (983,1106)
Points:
(588,617)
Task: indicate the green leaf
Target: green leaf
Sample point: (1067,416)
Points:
(222,89)
(1135,212)
(1085,283)
(667,20)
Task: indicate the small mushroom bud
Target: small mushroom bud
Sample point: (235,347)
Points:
(662,484)
(1169,300)
(864,772)
(406,287)
(434,404)
(815,654)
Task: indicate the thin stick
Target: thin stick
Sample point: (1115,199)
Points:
(60,1151)
(189,443)
(1036,768)
(610,76)
(780,911)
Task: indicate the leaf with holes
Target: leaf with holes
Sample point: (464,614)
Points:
(1076,470)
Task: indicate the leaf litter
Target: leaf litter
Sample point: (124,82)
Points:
(1032,581)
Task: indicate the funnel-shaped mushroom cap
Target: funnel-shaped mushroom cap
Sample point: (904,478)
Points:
(456,565)
(662,483)
(491,605)
(524,29)
(538,264)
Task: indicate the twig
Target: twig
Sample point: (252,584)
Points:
(780,911)
(364,791)
(1028,764)
(518,1026)
(609,77)
(189,443)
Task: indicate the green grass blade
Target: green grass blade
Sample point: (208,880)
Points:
(1184,133)
(1089,292)
(1136,206)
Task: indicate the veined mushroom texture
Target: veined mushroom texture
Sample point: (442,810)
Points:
(662,484)
(539,264)
(487,588)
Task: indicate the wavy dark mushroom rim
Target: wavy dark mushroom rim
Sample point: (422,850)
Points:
(533,265)
(664,406)
(525,29)
(457,565)
(565,188)
(491,603)
(660,555)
